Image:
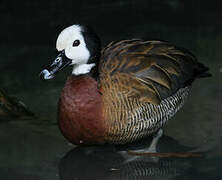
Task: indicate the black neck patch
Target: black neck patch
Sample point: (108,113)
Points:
(93,44)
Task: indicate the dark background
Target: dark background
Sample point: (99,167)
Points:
(28,31)
(38,22)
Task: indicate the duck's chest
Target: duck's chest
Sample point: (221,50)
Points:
(80,111)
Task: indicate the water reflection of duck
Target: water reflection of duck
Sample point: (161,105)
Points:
(106,163)
(124,93)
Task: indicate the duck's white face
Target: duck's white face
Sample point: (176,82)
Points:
(71,40)
(76,45)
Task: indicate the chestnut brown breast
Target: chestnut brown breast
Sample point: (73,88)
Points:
(79,112)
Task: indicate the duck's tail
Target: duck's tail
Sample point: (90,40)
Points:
(202,71)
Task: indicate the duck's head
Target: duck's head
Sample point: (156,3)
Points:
(77,45)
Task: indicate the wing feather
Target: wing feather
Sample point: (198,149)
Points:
(147,70)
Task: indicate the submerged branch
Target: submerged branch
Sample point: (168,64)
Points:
(11,107)
(169,154)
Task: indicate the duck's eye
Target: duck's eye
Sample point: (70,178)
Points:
(76,43)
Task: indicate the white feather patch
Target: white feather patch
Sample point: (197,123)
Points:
(82,68)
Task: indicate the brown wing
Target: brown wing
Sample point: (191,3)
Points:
(147,70)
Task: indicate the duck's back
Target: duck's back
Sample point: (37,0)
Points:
(143,84)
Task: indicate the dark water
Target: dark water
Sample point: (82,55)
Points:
(33,148)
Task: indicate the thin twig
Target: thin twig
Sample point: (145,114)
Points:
(166,155)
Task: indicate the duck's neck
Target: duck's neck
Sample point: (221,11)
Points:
(94,73)
(83,69)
